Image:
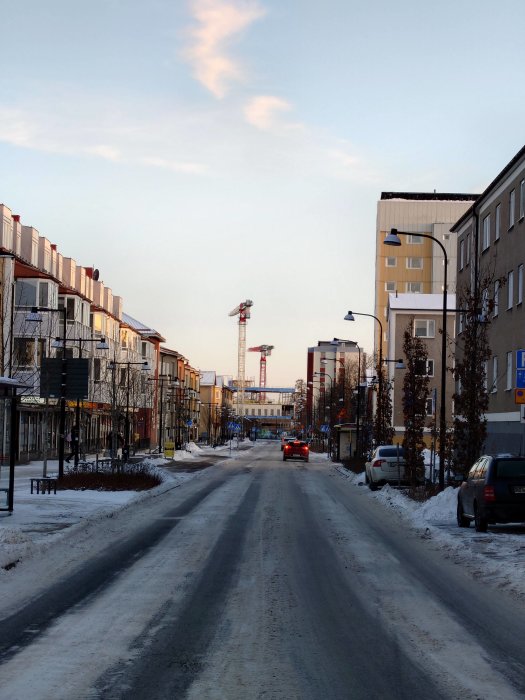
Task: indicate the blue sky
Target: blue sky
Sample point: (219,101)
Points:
(202,152)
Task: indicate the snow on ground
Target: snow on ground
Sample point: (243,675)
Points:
(497,557)
(39,520)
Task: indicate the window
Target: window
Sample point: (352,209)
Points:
(485,303)
(122,380)
(424,367)
(390,286)
(96,369)
(70,309)
(510,289)
(512,204)
(520,284)
(415,287)
(144,349)
(461,255)
(24,353)
(522,199)
(485,238)
(468,248)
(497,223)
(43,294)
(391,262)
(414,238)
(485,374)
(26,293)
(508,385)
(424,328)
(415,263)
(429,407)
(496,297)
(494,387)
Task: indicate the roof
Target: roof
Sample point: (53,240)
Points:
(430,196)
(519,155)
(420,302)
(208,378)
(141,329)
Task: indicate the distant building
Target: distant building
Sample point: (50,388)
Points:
(415,267)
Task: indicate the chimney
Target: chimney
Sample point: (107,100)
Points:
(16,217)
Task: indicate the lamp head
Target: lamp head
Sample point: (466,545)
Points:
(57,343)
(102,344)
(349,316)
(392,238)
(34,316)
(400,364)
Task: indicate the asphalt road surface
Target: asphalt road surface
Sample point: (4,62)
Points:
(263,579)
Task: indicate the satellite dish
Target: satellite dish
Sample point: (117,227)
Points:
(96,274)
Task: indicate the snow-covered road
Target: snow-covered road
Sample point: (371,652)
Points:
(261,579)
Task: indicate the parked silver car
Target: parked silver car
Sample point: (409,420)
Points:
(386,466)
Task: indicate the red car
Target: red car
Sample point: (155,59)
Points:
(296,449)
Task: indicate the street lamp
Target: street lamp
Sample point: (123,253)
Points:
(350,317)
(394,240)
(160,379)
(36,317)
(101,344)
(145,368)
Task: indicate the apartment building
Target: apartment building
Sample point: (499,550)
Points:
(491,247)
(417,266)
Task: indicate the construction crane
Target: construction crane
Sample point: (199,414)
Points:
(243,311)
(266,351)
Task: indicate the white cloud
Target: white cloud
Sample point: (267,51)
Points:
(218,22)
(104,151)
(176,166)
(262,111)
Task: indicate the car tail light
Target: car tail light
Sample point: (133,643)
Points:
(489,494)
(378,462)
(305,448)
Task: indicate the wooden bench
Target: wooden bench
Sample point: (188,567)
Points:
(43,484)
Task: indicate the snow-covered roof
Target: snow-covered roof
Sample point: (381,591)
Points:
(208,378)
(420,302)
(141,328)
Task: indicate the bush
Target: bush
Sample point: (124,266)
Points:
(133,477)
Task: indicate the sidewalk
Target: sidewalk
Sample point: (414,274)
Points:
(39,519)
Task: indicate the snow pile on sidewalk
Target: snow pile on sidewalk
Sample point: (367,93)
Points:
(497,556)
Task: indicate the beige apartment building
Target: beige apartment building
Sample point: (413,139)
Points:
(417,266)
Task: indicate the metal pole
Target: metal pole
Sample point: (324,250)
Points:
(358,412)
(161,446)
(62,427)
(12,452)
(126,426)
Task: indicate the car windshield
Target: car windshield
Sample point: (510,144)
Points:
(506,468)
(390,452)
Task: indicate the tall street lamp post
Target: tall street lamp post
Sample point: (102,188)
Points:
(161,379)
(394,240)
(325,374)
(35,317)
(350,317)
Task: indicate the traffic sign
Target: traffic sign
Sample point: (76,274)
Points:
(520,379)
(519,396)
(520,359)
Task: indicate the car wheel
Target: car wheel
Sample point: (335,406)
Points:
(367,480)
(462,520)
(372,486)
(479,521)
(284,458)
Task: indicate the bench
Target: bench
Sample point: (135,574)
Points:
(44,483)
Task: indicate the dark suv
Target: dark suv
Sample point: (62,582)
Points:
(494,492)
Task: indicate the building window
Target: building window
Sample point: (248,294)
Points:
(508,385)
(414,238)
(424,328)
(96,369)
(468,248)
(415,263)
(497,222)
(485,239)
(390,286)
(512,204)
(510,289)
(461,254)
(391,262)
(494,387)
(415,287)
(24,353)
(424,367)
(485,303)
(485,375)
(522,199)
(429,407)
(496,297)
(520,284)
(271,411)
